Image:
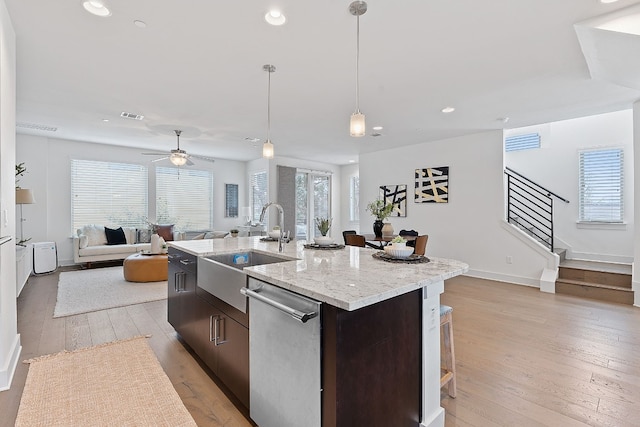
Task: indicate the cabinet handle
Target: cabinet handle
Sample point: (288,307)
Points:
(211,337)
(216,325)
(185,262)
(179,284)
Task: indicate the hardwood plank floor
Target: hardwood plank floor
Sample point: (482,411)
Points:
(524,358)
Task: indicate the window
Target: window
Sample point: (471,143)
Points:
(601,185)
(259,194)
(354,198)
(108,193)
(313,200)
(231,200)
(522,142)
(184,197)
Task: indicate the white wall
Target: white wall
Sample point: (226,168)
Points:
(348,171)
(48,163)
(9,338)
(470,227)
(636,181)
(555,166)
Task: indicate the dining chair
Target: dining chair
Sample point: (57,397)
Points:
(344,235)
(412,233)
(421,244)
(354,240)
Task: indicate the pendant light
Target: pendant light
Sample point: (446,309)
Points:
(267,147)
(357,125)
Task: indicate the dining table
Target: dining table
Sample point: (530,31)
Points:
(376,242)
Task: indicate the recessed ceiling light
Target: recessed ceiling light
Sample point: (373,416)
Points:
(352,161)
(275,17)
(448,110)
(608,1)
(140,24)
(105,120)
(377,128)
(96,7)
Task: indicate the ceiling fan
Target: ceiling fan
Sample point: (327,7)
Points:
(177,156)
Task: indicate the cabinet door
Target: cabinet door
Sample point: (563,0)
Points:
(174,313)
(205,326)
(233,357)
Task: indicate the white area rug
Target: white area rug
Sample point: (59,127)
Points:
(101,288)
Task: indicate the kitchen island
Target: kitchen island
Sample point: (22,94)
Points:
(380,343)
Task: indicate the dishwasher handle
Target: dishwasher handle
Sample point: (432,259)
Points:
(296,314)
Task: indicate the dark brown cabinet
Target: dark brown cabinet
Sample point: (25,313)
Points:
(217,332)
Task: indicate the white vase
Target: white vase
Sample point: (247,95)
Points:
(387,229)
(398,245)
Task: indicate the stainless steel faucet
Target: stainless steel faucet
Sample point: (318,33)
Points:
(280,222)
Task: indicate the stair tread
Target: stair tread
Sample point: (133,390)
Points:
(594,285)
(605,267)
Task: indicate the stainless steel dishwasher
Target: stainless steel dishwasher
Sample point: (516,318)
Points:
(284,357)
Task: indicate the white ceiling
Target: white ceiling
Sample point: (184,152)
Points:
(197,66)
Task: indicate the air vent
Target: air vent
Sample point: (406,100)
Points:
(36,127)
(131,116)
(522,142)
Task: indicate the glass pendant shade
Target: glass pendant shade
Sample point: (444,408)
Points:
(267,150)
(178,159)
(357,126)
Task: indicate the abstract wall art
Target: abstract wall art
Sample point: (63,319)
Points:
(432,185)
(397,196)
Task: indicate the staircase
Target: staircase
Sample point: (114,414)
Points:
(596,280)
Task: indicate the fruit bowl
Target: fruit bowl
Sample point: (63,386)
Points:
(399,253)
(274,234)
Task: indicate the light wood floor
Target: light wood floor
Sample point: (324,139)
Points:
(524,358)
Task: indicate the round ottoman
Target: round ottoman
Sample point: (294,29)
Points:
(146,268)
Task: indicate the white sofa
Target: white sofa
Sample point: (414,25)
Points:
(90,245)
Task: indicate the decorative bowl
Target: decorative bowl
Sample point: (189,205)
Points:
(400,253)
(275,234)
(323,240)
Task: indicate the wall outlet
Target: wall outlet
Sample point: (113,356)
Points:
(509,259)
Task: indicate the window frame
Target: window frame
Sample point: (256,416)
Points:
(607,180)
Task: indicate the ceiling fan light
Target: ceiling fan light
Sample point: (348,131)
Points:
(267,150)
(178,159)
(357,126)
(96,7)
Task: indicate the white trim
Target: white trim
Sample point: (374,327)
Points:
(507,278)
(553,260)
(599,225)
(6,374)
(622,259)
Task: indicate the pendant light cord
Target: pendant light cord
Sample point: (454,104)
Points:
(269,107)
(358,64)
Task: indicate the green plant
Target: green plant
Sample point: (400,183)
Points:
(323,224)
(399,239)
(380,209)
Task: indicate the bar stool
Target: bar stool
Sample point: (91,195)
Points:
(449,369)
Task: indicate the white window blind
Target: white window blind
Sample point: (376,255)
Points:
(354,198)
(259,194)
(108,193)
(522,142)
(601,185)
(184,197)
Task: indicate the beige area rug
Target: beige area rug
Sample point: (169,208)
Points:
(114,384)
(102,288)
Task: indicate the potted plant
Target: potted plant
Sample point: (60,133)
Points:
(234,232)
(381,210)
(399,242)
(323,224)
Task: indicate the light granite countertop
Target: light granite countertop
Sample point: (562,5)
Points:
(348,278)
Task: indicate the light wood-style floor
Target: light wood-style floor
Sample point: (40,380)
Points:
(524,358)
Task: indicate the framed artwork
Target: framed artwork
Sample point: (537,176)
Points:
(231,200)
(432,185)
(397,196)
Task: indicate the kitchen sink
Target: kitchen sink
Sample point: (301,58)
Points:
(223,276)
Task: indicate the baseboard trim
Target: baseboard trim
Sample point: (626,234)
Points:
(516,280)
(6,374)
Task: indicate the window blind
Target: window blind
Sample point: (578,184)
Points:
(601,185)
(108,193)
(522,142)
(184,197)
(259,194)
(354,199)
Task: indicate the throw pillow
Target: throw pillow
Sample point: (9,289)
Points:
(115,236)
(143,235)
(95,234)
(84,241)
(198,236)
(164,231)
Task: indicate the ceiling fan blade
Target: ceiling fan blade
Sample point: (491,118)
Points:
(189,162)
(208,159)
(157,153)
(161,158)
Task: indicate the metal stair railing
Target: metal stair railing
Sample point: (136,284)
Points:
(530,207)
